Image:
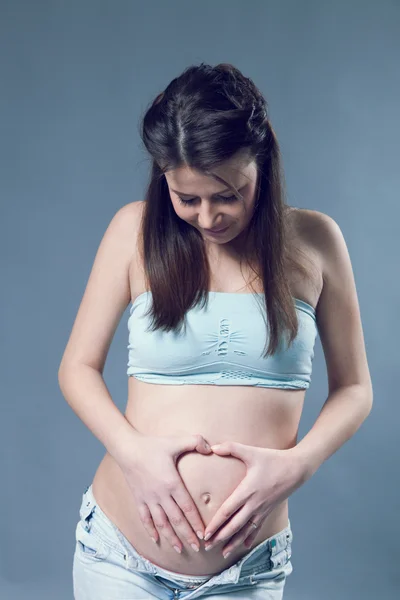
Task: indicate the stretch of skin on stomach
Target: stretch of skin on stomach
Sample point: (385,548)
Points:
(263,417)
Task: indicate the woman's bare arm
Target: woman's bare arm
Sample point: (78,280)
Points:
(85,390)
(104,301)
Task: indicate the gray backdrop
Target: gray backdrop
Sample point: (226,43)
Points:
(75,79)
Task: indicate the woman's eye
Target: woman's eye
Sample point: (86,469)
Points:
(186,202)
(190,202)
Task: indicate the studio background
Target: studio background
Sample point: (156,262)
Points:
(76,77)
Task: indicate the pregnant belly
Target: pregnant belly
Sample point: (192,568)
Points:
(257,417)
(209,479)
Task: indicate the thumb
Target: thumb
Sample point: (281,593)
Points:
(194,442)
(231,448)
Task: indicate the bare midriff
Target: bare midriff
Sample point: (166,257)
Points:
(263,417)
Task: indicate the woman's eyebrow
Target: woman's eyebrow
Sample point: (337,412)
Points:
(216,193)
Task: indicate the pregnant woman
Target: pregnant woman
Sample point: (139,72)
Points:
(227,288)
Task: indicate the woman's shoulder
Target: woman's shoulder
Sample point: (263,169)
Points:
(307,222)
(132,208)
(130,215)
(314,228)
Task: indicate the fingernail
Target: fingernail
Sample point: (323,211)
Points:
(154,540)
(199,535)
(207,536)
(206,548)
(177,549)
(195,548)
(226,555)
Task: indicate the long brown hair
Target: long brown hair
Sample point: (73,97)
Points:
(203,118)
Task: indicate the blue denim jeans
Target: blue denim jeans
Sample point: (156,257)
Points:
(107,567)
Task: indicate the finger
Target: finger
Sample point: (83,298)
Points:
(250,539)
(243,537)
(179,523)
(203,447)
(231,528)
(238,539)
(226,510)
(190,442)
(163,525)
(147,520)
(241,451)
(185,502)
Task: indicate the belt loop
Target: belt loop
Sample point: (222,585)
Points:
(86,510)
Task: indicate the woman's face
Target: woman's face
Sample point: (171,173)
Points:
(206,203)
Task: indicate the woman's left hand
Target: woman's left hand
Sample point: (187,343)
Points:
(272,476)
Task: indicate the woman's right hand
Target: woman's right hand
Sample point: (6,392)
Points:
(164,504)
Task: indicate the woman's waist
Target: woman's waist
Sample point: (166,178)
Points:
(265,418)
(209,484)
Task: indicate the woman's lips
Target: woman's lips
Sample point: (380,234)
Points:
(217,232)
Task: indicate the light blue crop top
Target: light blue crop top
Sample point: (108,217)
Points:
(222,345)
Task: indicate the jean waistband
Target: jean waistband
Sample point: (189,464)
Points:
(269,549)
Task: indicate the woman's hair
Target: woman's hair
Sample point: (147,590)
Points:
(203,118)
